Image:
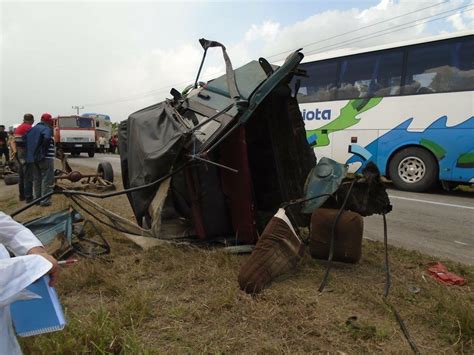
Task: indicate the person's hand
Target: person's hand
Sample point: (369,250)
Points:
(53,272)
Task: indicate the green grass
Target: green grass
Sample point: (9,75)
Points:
(177,299)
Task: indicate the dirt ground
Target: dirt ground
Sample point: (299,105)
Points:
(183,299)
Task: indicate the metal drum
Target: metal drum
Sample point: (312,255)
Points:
(348,235)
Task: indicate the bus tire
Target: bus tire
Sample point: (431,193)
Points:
(91,153)
(413,169)
(106,171)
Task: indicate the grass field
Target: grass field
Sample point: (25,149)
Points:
(181,299)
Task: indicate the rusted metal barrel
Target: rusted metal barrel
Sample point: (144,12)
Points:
(348,235)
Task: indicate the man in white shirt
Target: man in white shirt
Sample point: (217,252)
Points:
(102,142)
(31,262)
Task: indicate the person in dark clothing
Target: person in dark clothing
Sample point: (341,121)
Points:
(40,155)
(113,144)
(25,184)
(4,145)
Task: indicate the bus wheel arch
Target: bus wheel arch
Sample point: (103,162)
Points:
(413,168)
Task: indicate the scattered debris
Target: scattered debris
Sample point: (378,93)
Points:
(8,173)
(102,180)
(239,249)
(348,235)
(440,273)
(278,250)
(65,232)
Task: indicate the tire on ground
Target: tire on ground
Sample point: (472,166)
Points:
(413,169)
(11,179)
(91,153)
(106,171)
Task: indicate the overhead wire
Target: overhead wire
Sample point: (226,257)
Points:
(390,30)
(145,94)
(360,28)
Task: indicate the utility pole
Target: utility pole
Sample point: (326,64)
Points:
(77,108)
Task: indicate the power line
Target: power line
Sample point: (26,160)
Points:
(358,39)
(359,29)
(375,34)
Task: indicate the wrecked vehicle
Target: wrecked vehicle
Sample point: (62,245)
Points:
(234,150)
(231,153)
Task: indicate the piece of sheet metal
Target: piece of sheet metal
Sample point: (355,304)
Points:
(323,181)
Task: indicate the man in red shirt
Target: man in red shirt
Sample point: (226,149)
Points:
(25,185)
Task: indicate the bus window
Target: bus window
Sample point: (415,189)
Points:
(371,75)
(465,75)
(432,68)
(356,75)
(320,84)
(389,74)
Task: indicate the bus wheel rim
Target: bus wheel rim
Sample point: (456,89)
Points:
(411,170)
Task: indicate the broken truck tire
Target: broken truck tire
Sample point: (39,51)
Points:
(11,179)
(105,169)
(278,250)
(348,235)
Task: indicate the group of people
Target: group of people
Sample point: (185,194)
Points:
(34,152)
(113,144)
(32,149)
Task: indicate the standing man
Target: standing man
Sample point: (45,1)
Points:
(102,142)
(4,145)
(114,144)
(25,184)
(40,154)
(11,144)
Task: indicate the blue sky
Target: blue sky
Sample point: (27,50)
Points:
(117,57)
(248,13)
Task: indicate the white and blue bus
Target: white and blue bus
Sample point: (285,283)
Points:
(408,107)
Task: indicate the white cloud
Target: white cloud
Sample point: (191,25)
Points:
(125,63)
(267,31)
(312,34)
(462,22)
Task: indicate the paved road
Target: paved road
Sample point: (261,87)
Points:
(440,224)
(84,160)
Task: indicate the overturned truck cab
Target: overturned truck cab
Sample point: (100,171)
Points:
(232,151)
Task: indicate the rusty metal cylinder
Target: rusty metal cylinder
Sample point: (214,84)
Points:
(348,235)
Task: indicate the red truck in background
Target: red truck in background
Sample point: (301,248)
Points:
(75,134)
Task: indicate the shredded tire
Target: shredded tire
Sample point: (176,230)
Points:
(11,179)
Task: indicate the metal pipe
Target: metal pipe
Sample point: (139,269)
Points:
(200,68)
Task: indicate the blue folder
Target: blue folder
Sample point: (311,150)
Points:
(38,316)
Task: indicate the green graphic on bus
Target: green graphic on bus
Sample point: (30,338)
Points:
(347,118)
